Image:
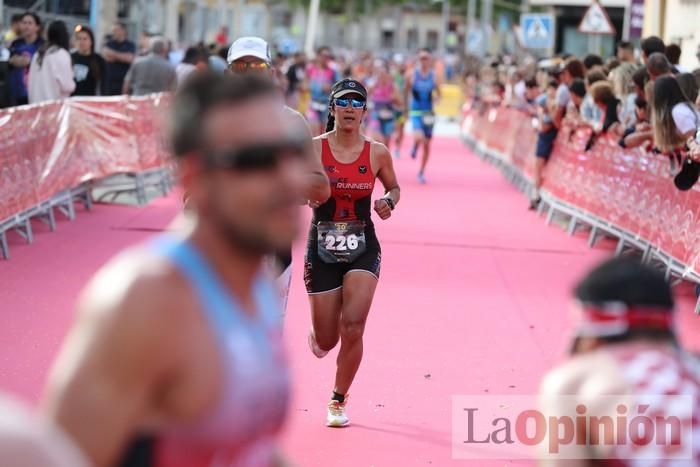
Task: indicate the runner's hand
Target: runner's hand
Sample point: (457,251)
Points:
(314,204)
(381,207)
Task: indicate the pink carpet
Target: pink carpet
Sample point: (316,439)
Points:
(473,299)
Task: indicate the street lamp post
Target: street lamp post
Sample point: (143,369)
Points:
(445,26)
(486,17)
(311,27)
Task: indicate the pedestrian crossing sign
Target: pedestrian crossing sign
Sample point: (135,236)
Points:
(537,31)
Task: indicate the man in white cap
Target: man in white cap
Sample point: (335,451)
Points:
(252,55)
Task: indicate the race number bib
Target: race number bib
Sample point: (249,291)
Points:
(385,114)
(341,242)
(428,119)
(319,106)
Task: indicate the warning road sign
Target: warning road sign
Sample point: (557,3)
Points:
(596,21)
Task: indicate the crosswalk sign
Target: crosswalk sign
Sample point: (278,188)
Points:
(537,31)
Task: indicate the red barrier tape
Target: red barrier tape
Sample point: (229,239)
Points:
(48,148)
(629,188)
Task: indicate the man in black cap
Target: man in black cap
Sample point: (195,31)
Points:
(343,256)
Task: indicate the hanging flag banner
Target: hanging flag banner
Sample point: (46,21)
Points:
(636,19)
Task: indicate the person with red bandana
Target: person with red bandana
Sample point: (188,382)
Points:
(625,348)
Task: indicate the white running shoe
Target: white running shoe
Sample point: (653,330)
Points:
(313,345)
(337,417)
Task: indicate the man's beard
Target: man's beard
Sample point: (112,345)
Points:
(241,240)
(250,242)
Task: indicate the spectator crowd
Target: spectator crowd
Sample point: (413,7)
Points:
(48,62)
(647,101)
(642,97)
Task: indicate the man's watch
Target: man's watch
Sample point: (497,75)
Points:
(390,202)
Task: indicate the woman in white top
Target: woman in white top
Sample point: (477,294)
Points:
(674,117)
(51,70)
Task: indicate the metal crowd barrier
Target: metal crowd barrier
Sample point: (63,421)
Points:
(52,154)
(628,195)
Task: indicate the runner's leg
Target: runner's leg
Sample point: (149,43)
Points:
(540,162)
(418,135)
(400,122)
(388,131)
(358,292)
(325,317)
(426,154)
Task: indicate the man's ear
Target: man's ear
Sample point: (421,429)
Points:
(190,170)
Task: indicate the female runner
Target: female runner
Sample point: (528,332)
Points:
(343,255)
(386,99)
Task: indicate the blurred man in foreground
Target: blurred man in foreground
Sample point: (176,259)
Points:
(625,347)
(176,356)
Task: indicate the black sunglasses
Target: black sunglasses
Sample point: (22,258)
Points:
(256,157)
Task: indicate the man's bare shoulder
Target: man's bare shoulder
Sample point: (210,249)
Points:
(136,286)
(593,373)
(293,114)
(297,120)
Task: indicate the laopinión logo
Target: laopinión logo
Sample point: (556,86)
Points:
(565,427)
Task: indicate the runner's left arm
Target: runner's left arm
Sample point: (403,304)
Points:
(387,175)
(438,85)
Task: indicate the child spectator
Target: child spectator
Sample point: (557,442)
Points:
(638,134)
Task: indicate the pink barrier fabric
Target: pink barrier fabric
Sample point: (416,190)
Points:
(48,148)
(629,188)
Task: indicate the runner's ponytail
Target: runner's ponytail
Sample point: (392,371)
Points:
(330,124)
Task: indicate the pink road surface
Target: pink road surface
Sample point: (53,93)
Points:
(473,300)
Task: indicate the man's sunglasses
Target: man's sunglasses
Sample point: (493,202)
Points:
(356,103)
(242,67)
(256,157)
